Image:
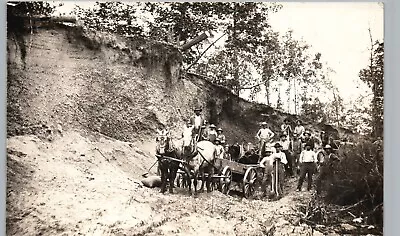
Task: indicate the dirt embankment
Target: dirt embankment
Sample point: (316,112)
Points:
(123,88)
(82,110)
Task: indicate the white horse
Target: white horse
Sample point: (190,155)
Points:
(199,157)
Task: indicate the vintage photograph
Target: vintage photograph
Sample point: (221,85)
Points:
(194,118)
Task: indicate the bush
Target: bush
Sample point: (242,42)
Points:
(358,181)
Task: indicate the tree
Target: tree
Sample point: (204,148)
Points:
(114,17)
(373,77)
(247,29)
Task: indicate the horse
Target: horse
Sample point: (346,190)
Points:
(200,162)
(167,167)
(235,151)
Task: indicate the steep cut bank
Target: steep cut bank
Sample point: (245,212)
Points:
(123,88)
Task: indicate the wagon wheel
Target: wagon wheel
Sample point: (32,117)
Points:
(225,182)
(249,180)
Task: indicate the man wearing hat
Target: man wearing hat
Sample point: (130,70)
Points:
(220,135)
(197,121)
(324,138)
(264,135)
(298,130)
(278,161)
(286,128)
(286,148)
(308,139)
(212,134)
(266,164)
(328,167)
(307,160)
(220,151)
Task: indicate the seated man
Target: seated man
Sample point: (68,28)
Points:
(212,134)
(197,120)
(220,135)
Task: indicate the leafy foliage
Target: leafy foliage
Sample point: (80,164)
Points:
(373,76)
(115,17)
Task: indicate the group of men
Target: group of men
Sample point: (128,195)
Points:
(294,150)
(202,130)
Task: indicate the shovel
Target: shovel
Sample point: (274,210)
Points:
(145,174)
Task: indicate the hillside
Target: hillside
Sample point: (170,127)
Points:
(82,111)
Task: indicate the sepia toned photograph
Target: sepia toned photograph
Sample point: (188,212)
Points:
(194,118)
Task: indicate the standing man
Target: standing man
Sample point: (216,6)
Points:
(308,139)
(324,138)
(264,135)
(220,151)
(220,135)
(286,128)
(298,130)
(197,121)
(266,164)
(286,148)
(328,167)
(308,160)
(278,161)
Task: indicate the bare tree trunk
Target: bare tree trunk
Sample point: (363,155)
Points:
(336,108)
(267,91)
(295,96)
(374,115)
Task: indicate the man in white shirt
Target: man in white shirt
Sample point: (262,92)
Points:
(298,130)
(278,161)
(266,164)
(220,135)
(286,128)
(197,121)
(264,135)
(307,160)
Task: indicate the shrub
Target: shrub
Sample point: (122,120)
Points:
(358,181)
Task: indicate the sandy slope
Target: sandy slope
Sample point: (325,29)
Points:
(88,184)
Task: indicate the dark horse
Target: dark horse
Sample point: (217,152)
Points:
(167,167)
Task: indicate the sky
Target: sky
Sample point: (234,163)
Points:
(339,31)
